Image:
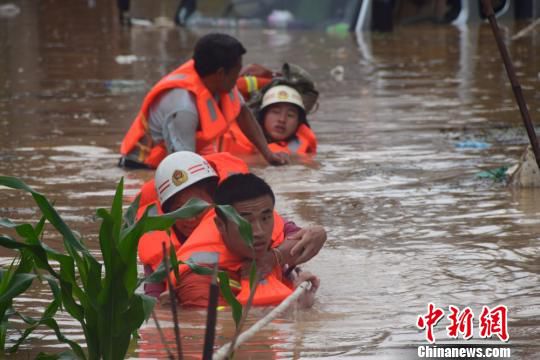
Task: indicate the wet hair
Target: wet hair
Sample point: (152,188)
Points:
(214,51)
(241,187)
(209,184)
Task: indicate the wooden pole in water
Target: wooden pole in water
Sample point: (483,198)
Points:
(488,10)
(210,334)
(172,297)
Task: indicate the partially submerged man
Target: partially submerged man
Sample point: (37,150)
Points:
(254,200)
(193,106)
(185,175)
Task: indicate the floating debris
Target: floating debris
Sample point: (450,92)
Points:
(338,73)
(498,174)
(99,122)
(126,59)
(472,144)
(141,22)
(525,173)
(280,18)
(125,86)
(9,11)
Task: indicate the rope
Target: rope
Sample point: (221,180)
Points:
(222,352)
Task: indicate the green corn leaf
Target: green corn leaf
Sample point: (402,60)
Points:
(196,268)
(10,243)
(192,208)
(243,226)
(38,253)
(26,263)
(174,263)
(18,284)
(130,216)
(47,320)
(74,309)
(80,264)
(43,253)
(48,211)
(252,274)
(229,297)
(38,230)
(55,288)
(92,285)
(140,309)
(25,231)
(6,275)
(105,242)
(116,210)
(148,304)
(64,355)
(158,275)
(130,238)
(3,333)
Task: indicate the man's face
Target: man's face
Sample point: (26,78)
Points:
(228,78)
(197,190)
(259,212)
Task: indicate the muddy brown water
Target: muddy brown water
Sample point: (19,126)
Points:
(409,222)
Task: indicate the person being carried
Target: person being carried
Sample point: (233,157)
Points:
(184,175)
(193,106)
(282,117)
(254,200)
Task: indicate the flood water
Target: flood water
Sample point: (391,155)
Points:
(409,220)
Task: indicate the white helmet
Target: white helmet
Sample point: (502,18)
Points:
(178,171)
(282,93)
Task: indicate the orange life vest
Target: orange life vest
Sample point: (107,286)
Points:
(304,142)
(206,239)
(214,119)
(248,84)
(150,248)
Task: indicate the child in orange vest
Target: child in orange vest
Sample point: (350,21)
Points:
(282,117)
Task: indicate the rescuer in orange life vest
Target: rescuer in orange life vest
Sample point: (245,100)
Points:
(185,175)
(193,106)
(254,200)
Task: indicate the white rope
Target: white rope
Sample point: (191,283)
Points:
(222,352)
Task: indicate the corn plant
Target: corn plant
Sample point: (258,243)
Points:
(224,281)
(13,281)
(100,296)
(239,312)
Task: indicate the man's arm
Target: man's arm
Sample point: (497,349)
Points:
(299,246)
(250,127)
(174,119)
(179,131)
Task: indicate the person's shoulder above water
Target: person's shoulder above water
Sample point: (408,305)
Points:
(213,71)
